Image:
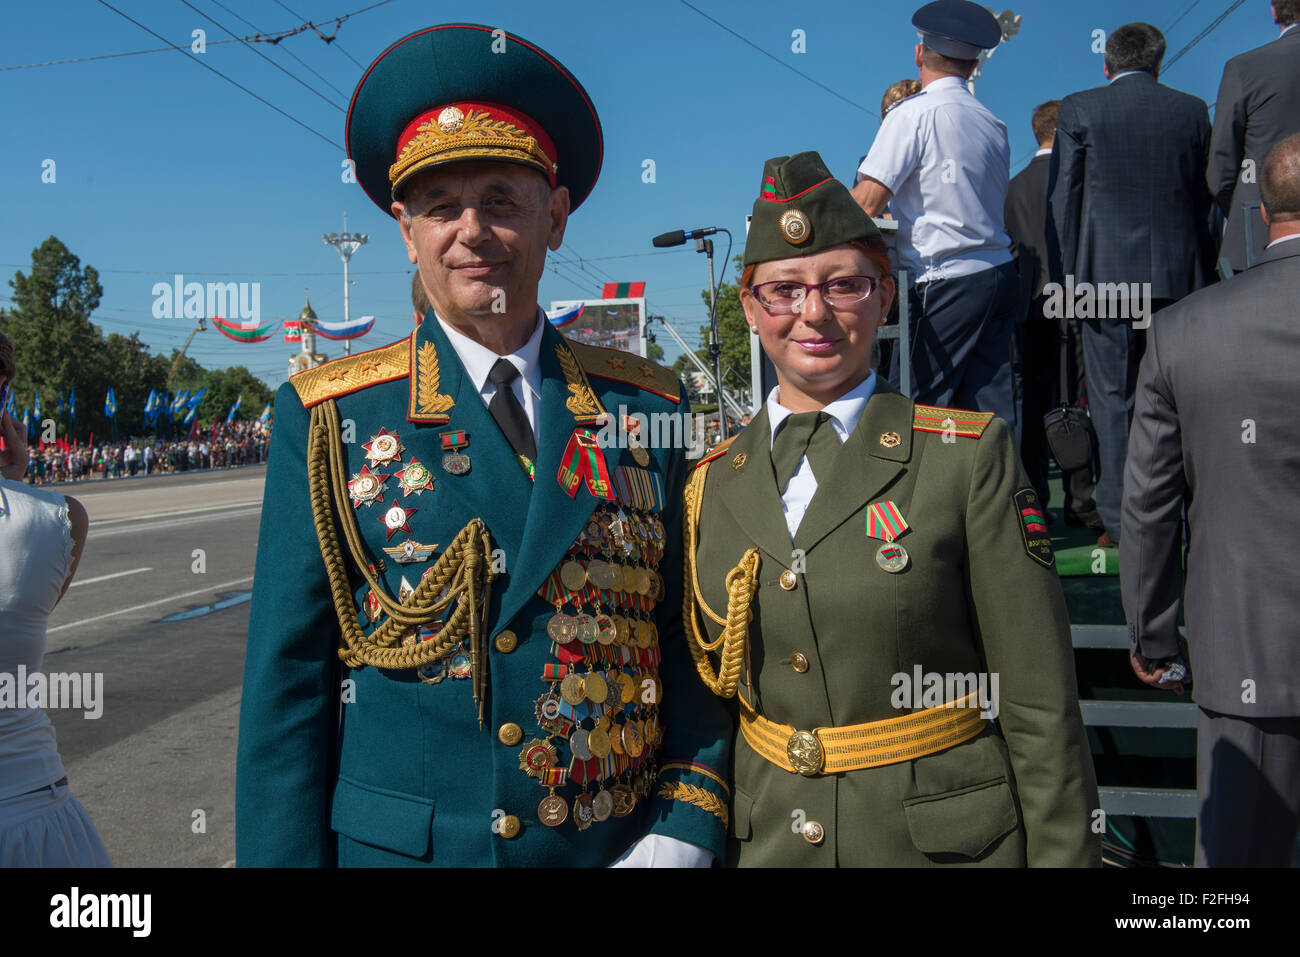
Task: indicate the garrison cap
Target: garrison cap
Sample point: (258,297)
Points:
(802,209)
(461,91)
(957,28)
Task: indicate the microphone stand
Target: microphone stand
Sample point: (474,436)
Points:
(715,344)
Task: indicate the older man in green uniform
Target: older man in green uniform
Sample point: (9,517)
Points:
(876,581)
(462,651)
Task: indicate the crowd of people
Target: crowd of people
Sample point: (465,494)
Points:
(231,446)
(1139,221)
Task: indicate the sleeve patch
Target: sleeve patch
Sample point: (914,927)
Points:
(1033,527)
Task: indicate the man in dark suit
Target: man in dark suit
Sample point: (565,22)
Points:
(1259,105)
(1214,433)
(1128,206)
(1039,338)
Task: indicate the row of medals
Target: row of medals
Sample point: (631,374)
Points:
(636,537)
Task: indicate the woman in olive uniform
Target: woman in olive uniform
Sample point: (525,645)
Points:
(872,583)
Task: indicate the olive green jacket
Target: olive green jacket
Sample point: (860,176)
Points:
(980,596)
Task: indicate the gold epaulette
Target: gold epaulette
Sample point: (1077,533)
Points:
(714,452)
(350,373)
(628,367)
(933,418)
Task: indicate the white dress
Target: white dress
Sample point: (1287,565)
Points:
(41,823)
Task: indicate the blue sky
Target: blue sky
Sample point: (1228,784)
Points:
(164,168)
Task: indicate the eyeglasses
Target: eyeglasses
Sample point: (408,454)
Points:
(782,296)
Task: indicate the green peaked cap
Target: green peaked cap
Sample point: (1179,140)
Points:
(802,209)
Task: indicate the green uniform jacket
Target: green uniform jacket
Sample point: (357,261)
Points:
(972,600)
(391,770)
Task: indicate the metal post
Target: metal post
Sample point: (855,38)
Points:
(345,243)
(715,342)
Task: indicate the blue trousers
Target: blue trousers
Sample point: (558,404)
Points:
(961,342)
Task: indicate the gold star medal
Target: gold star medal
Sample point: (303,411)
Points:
(415,478)
(384,448)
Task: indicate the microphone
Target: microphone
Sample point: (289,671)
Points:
(679,236)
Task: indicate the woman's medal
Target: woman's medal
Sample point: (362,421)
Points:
(885,521)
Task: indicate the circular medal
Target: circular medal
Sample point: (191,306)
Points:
(594,531)
(461,665)
(587,630)
(794,225)
(455,463)
(624,801)
(652,632)
(633,740)
(395,517)
(626,688)
(553,811)
(657,590)
(583,811)
(384,447)
(596,688)
(415,478)
(616,740)
(598,742)
(640,454)
(537,756)
(578,745)
(571,689)
(573,575)
(606,630)
(892,557)
(600,574)
(642,582)
(602,805)
(642,635)
(562,628)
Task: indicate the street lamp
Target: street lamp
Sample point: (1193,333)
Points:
(1010,24)
(346,244)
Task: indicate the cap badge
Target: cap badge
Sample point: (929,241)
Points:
(794,225)
(890,440)
(451,119)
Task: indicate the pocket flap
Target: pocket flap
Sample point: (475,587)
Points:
(388,819)
(963,821)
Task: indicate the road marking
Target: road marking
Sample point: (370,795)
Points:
(104,578)
(183,511)
(176,522)
(150,604)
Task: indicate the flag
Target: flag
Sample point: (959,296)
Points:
(292,330)
(151,406)
(353,329)
(178,402)
(194,410)
(623,290)
(266,414)
(36,406)
(72,403)
(110,403)
(27,422)
(235,408)
(58,406)
(193,401)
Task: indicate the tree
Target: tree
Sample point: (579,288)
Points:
(733,332)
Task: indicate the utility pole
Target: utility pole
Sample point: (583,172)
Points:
(176,363)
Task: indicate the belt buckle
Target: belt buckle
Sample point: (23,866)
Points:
(804,751)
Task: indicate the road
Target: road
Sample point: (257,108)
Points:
(159,607)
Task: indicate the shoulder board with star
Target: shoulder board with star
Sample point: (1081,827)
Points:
(963,422)
(627,367)
(714,452)
(348,374)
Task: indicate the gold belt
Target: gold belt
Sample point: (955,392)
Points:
(857,746)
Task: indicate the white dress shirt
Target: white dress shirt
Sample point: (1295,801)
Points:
(1283,239)
(946,159)
(844,413)
(478,361)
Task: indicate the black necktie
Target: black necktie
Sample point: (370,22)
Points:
(804,433)
(507,411)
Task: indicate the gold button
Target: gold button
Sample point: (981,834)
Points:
(506,642)
(813,832)
(789,579)
(509,827)
(799,661)
(510,734)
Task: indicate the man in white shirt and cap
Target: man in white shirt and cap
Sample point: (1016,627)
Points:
(941,163)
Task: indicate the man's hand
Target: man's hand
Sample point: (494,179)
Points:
(13,460)
(1149,673)
(872,195)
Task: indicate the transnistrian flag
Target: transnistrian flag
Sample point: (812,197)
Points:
(623,290)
